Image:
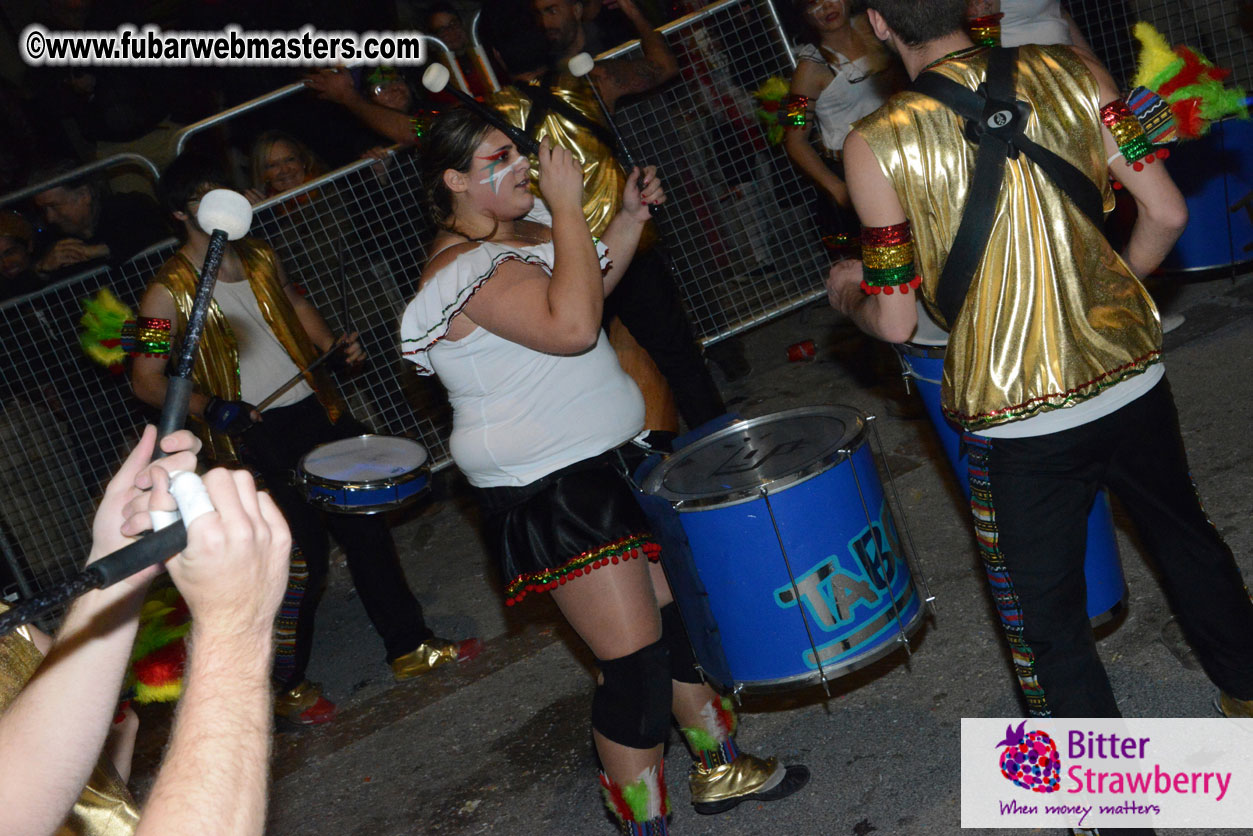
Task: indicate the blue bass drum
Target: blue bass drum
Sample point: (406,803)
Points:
(794,571)
(922,360)
(1215,174)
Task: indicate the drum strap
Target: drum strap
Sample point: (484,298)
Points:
(995,121)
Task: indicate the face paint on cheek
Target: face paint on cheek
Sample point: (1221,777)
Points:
(497,173)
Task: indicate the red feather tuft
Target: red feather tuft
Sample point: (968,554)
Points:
(614,793)
(163,665)
(1188,120)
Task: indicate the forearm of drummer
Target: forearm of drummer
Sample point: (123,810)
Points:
(876,292)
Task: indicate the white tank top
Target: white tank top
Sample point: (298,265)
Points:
(264,365)
(1033,22)
(852,94)
(518,414)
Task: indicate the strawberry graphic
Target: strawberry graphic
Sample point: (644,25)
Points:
(1030,759)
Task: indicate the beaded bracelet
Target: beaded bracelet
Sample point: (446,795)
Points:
(147,337)
(887,256)
(986,30)
(794,112)
(1133,142)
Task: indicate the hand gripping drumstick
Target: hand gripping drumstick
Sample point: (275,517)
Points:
(580,66)
(299,376)
(168,538)
(435,79)
(228,214)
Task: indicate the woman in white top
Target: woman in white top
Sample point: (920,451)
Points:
(508,316)
(845,73)
(1031,22)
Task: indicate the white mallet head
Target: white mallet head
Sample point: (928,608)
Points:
(225,210)
(581,64)
(435,78)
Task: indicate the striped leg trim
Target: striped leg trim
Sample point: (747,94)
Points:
(983,510)
(288,615)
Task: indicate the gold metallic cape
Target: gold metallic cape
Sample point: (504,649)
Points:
(603,178)
(1054,315)
(216,371)
(105,807)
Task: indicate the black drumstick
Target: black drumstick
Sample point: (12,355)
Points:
(228,214)
(436,78)
(580,66)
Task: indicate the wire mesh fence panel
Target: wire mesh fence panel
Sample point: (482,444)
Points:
(354,242)
(66,422)
(739,222)
(1218,29)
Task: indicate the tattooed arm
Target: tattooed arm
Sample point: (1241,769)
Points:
(624,76)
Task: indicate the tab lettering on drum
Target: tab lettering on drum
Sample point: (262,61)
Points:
(830,595)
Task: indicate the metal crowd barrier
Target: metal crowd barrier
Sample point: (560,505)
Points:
(735,205)
(739,230)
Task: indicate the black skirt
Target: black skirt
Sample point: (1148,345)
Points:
(564,525)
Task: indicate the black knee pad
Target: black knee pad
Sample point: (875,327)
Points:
(631,706)
(674,634)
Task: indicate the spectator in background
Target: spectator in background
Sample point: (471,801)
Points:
(92,225)
(17,251)
(562,22)
(842,74)
(386,105)
(279,163)
(443,21)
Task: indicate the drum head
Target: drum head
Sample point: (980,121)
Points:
(771,452)
(364,459)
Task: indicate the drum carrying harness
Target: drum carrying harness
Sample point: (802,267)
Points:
(995,121)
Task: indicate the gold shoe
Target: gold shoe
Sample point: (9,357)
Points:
(719,788)
(1232,707)
(431,654)
(745,775)
(304,705)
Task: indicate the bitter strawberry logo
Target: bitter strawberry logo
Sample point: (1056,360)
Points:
(1030,759)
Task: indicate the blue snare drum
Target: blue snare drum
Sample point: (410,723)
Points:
(795,564)
(367,474)
(922,360)
(1215,174)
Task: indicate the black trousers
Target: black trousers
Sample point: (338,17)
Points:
(1030,500)
(274,447)
(647,301)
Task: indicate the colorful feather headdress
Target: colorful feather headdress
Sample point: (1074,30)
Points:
(1188,89)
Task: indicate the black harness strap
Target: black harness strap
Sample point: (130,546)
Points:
(995,122)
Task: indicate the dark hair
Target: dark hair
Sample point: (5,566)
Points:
(440,8)
(450,143)
(792,16)
(509,27)
(55,169)
(184,178)
(917,21)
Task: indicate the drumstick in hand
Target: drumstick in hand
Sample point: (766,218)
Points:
(299,376)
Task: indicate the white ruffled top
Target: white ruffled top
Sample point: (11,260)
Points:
(518,414)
